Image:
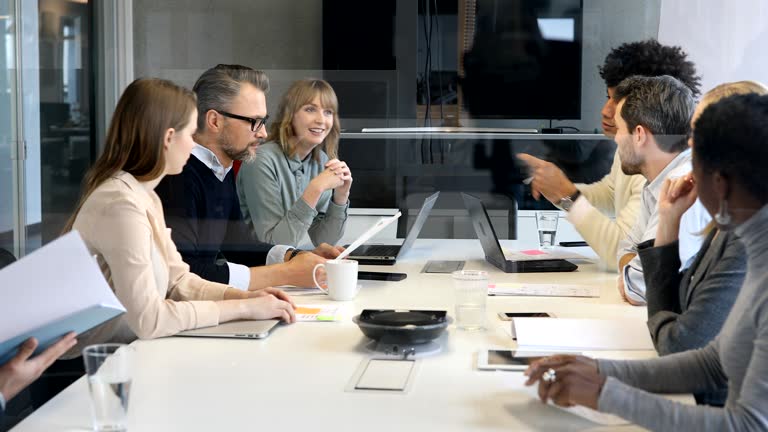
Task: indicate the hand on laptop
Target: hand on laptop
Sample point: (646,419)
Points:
(278,293)
(268,306)
(327,251)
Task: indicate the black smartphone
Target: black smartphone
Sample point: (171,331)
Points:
(507,316)
(573,244)
(381,276)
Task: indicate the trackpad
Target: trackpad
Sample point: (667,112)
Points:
(385,374)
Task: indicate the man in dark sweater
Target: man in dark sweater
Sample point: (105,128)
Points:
(201,205)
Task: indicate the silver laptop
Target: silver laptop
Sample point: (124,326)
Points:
(376,254)
(235,329)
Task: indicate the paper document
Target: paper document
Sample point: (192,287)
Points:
(517,381)
(54,290)
(372,231)
(310,313)
(543,290)
(583,334)
(538,255)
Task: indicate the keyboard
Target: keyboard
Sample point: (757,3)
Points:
(543,290)
(377,250)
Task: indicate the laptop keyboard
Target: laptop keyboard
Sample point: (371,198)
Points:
(377,250)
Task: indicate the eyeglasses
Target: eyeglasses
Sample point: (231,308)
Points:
(256,123)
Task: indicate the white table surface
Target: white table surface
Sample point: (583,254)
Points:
(296,378)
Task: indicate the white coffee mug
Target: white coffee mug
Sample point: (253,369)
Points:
(341,277)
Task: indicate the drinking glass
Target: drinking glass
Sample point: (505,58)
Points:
(109,370)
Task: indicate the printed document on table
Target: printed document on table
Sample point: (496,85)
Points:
(582,334)
(57,289)
(311,313)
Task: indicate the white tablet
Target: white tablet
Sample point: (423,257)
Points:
(504,359)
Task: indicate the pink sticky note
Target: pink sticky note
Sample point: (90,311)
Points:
(533,252)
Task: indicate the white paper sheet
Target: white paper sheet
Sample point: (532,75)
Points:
(582,334)
(54,282)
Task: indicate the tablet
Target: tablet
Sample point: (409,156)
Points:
(504,359)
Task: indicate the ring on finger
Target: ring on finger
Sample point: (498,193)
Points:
(550,375)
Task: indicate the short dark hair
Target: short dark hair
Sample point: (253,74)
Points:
(731,137)
(662,104)
(219,85)
(649,58)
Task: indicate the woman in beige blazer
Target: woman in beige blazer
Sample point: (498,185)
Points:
(121,220)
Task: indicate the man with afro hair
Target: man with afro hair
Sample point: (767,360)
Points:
(604,212)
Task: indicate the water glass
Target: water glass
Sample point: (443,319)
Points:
(471,292)
(109,370)
(546,222)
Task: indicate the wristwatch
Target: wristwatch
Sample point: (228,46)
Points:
(567,202)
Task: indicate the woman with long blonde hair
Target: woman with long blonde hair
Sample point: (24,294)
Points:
(121,220)
(296,186)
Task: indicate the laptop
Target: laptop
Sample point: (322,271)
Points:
(492,249)
(235,329)
(376,254)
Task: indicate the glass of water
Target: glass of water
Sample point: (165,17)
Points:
(109,371)
(546,221)
(471,289)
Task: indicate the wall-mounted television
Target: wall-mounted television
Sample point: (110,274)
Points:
(525,60)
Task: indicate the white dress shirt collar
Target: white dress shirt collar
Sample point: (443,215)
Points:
(209,159)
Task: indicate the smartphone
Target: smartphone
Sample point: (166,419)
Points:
(573,244)
(503,359)
(381,276)
(507,316)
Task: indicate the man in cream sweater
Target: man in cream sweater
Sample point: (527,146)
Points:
(604,212)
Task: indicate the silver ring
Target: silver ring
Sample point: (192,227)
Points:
(549,376)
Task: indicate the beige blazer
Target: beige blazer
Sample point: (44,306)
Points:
(122,223)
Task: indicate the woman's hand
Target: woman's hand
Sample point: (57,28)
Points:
(675,198)
(21,370)
(268,303)
(576,380)
(341,192)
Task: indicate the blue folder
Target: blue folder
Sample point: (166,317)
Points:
(48,334)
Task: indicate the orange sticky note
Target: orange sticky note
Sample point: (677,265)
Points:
(307,311)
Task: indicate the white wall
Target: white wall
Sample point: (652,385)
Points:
(726,40)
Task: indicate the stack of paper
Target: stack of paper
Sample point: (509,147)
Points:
(552,334)
(57,289)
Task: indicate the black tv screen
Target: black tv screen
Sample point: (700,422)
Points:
(525,60)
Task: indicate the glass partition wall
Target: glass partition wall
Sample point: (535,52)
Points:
(46,141)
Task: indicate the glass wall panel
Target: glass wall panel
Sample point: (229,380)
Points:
(499,64)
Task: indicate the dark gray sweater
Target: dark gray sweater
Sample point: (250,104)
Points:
(737,357)
(687,310)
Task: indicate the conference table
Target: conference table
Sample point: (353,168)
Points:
(297,378)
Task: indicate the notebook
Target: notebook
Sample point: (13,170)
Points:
(235,329)
(373,254)
(492,249)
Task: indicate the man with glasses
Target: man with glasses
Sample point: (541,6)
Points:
(201,205)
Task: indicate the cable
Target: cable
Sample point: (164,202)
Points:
(439,63)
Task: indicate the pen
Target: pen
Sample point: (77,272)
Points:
(527,180)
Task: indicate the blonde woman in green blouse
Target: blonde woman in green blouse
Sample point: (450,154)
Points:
(297,187)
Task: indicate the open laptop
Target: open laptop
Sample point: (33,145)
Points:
(376,254)
(492,249)
(235,329)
